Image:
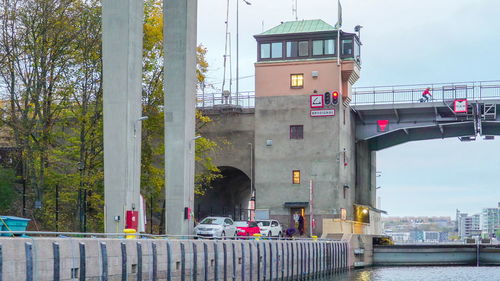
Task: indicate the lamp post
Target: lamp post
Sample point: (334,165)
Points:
(238,48)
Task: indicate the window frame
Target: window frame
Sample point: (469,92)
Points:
(295,135)
(291,81)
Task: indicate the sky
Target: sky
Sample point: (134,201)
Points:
(404,42)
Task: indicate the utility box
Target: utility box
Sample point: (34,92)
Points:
(132,220)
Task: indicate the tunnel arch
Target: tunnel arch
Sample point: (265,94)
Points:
(226,196)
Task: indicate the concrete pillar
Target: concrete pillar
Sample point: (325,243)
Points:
(180,88)
(366,167)
(122,70)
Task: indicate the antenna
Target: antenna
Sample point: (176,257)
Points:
(294,9)
(227,42)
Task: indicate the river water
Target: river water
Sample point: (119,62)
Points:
(420,274)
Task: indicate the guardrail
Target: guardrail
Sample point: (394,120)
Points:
(25,234)
(477,90)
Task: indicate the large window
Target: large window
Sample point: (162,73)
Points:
(303,48)
(323,47)
(271,50)
(296,132)
(297,80)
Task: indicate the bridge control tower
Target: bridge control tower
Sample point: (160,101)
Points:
(294,145)
(305,152)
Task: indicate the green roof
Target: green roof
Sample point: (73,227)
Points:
(302,26)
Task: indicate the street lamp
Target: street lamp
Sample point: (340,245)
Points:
(237,48)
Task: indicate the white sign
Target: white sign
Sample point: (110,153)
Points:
(460,106)
(317,101)
(322,112)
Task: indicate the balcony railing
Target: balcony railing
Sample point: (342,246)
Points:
(214,100)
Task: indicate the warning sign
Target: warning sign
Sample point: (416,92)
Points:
(317,101)
(460,106)
(383,125)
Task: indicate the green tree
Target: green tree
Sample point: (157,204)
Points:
(8,192)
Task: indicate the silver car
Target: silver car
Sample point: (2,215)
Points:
(216,227)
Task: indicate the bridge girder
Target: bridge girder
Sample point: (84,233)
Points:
(422,121)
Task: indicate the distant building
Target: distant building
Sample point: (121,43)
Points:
(431,236)
(468,226)
(490,221)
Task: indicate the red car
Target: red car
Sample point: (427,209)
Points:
(246,228)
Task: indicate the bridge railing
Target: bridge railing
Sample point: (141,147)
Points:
(211,100)
(480,90)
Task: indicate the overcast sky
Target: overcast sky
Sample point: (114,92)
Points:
(404,42)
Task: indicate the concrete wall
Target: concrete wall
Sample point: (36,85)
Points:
(233,132)
(273,79)
(117,259)
(436,255)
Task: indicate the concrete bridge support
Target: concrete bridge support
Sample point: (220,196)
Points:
(366,173)
(180,88)
(122,63)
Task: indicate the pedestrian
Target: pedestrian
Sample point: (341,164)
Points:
(301,225)
(426,94)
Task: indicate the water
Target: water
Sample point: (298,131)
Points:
(433,273)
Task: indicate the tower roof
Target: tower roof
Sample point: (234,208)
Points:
(302,26)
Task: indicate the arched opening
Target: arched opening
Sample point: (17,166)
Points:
(227,196)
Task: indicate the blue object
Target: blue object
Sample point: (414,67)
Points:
(9,223)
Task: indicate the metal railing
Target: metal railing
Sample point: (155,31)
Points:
(398,94)
(212,100)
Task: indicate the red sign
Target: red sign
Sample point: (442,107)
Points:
(132,220)
(383,125)
(460,106)
(317,101)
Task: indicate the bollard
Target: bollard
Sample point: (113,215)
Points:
(314,237)
(129,231)
(257,236)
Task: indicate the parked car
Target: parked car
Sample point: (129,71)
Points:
(270,228)
(247,228)
(216,227)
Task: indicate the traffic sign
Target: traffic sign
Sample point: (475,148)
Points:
(460,106)
(322,112)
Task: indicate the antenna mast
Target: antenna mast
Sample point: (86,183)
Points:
(294,9)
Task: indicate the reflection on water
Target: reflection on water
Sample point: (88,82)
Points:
(433,273)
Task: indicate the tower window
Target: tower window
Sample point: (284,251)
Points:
(296,132)
(347,47)
(292,49)
(318,47)
(323,47)
(277,50)
(265,51)
(296,177)
(303,48)
(297,80)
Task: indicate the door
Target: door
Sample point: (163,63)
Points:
(295,219)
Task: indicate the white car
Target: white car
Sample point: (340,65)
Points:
(216,227)
(270,228)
